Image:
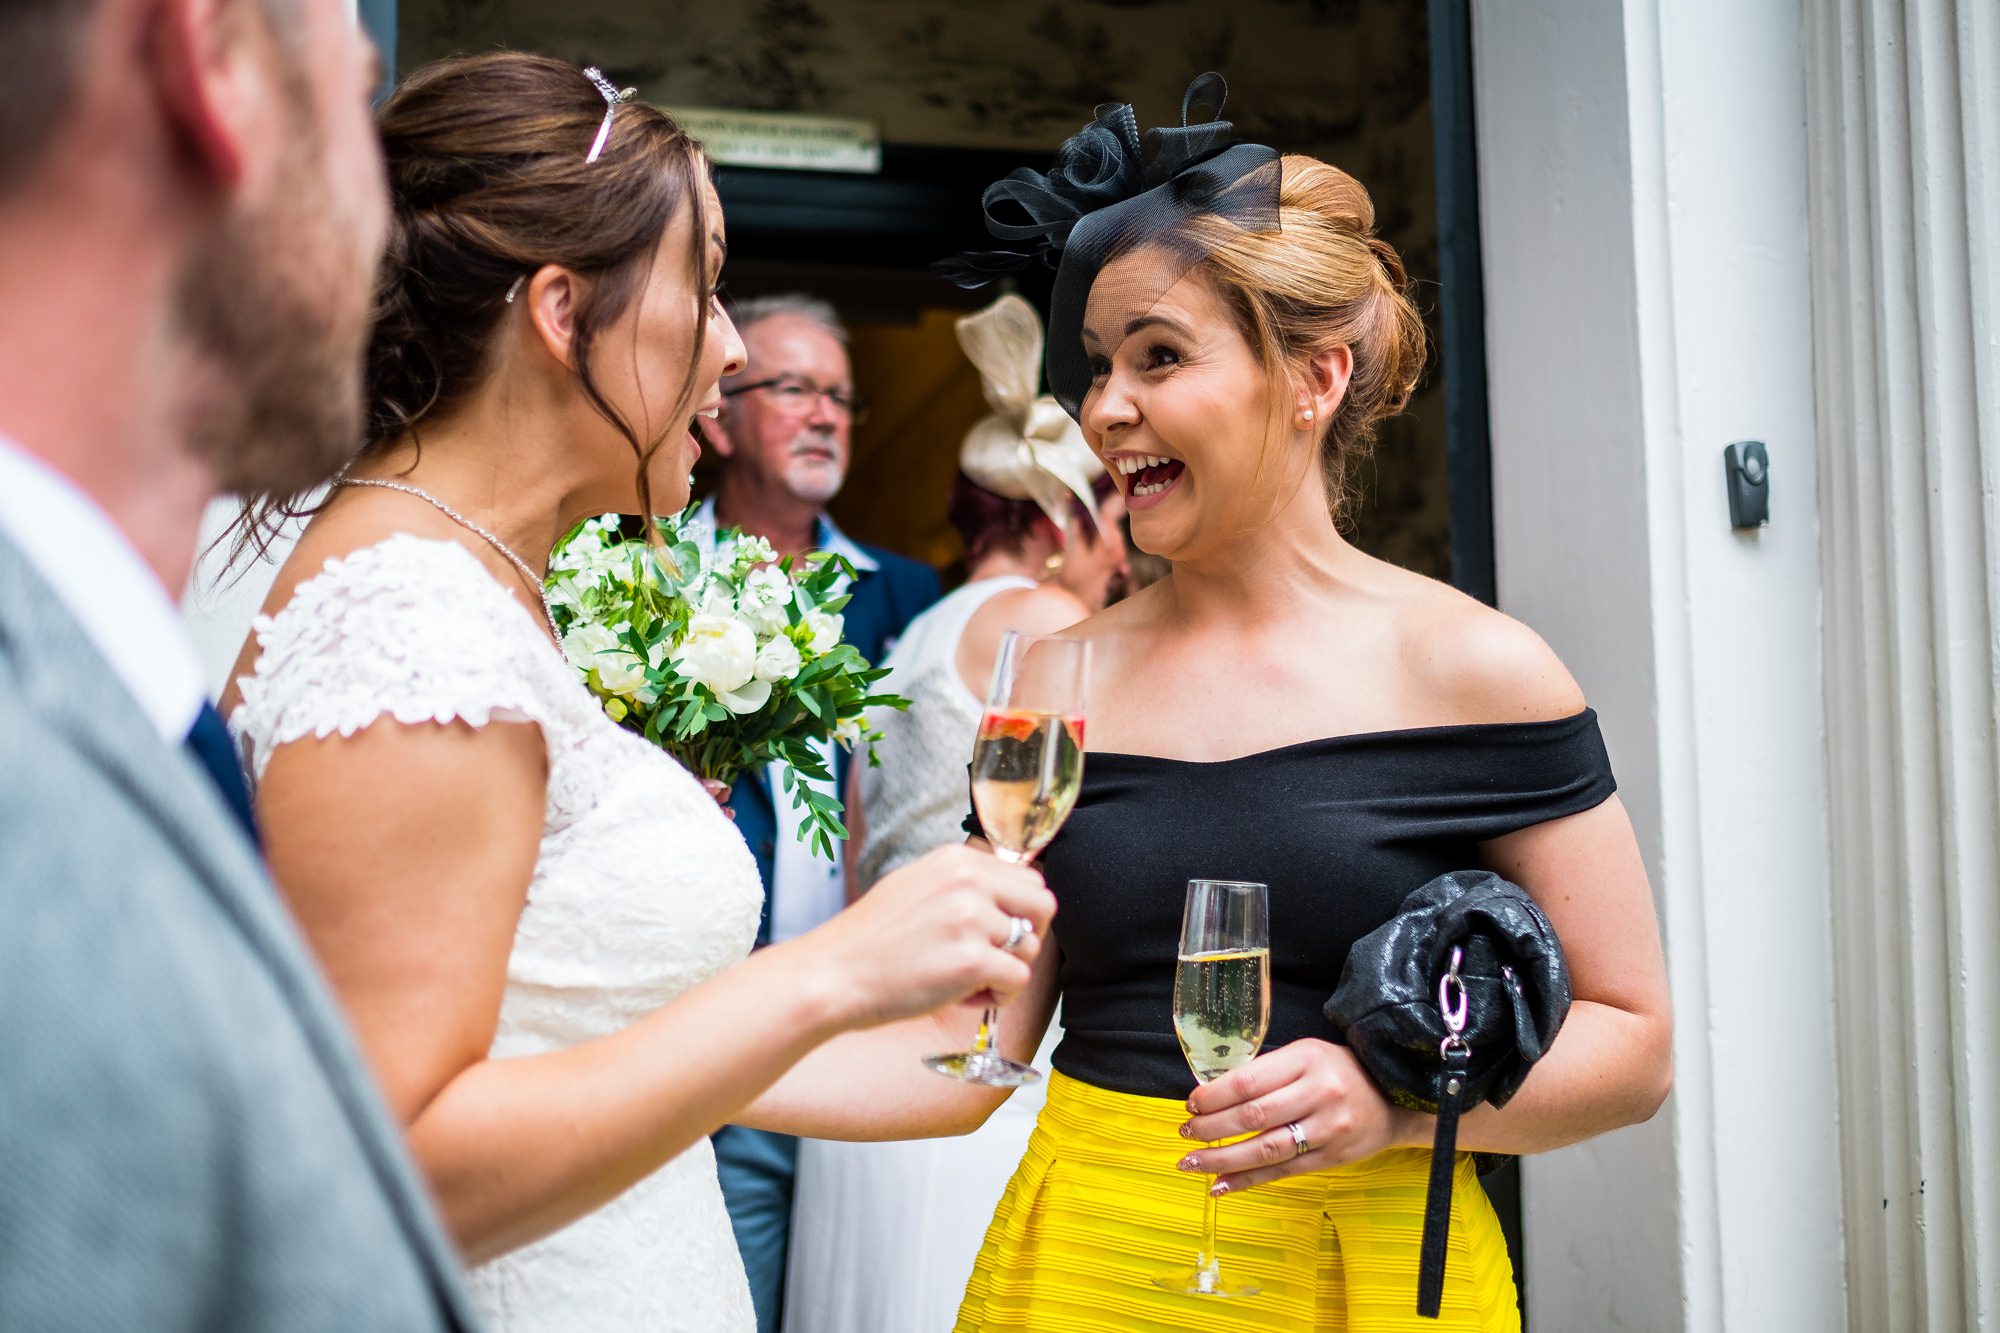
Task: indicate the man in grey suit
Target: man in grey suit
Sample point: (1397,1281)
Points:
(191,208)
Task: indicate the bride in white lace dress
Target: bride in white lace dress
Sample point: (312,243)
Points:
(538,922)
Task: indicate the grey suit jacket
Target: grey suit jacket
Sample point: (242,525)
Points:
(188,1139)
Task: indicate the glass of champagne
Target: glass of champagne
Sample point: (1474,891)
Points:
(1222,1004)
(1027,765)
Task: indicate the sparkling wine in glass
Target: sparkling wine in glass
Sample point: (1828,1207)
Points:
(1027,766)
(1222,1004)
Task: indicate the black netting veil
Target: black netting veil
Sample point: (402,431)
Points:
(1154,204)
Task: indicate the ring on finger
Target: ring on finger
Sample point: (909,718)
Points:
(1019,928)
(1299,1144)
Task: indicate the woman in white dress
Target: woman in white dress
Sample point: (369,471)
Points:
(884,1234)
(538,922)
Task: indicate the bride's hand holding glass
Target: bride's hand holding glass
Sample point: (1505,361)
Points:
(943,929)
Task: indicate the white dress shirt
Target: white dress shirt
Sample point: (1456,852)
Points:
(103,582)
(806,888)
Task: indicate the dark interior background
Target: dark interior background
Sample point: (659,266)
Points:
(961,93)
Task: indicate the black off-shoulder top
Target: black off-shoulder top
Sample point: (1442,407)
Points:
(1341,830)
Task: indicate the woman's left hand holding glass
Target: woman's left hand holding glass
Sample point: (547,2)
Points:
(1341,1116)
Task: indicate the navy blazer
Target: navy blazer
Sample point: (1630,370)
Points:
(881,602)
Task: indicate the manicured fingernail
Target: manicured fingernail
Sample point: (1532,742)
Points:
(1187,1130)
(1190,1163)
(1192,1110)
(1218,1189)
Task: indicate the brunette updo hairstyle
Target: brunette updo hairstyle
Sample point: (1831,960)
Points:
(1324,280)
(488,182)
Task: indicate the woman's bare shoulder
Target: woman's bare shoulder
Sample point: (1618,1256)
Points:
(1045,608)
(1480,663)
(355,522)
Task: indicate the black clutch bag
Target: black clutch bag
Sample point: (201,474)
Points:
(1447,1005)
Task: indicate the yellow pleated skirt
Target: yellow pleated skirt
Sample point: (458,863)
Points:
(1098,1209)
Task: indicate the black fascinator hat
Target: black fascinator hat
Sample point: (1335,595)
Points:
(1112,192)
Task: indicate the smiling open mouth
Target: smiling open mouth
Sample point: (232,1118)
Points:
(701,423)
(1149,475)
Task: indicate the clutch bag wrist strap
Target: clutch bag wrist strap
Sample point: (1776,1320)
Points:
(1454,1057)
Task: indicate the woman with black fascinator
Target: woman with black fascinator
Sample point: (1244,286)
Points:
(1227,329)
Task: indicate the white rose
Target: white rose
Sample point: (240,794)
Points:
(778,660)
(620,672)
(826,630)
(719,652)
(583,643)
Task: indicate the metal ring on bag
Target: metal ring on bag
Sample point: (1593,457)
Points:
(1019,929)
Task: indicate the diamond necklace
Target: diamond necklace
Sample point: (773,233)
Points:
(548,612)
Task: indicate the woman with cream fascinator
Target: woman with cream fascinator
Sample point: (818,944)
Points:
(884,1234)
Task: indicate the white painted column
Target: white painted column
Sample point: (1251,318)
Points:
(1643,182)
(1905,170)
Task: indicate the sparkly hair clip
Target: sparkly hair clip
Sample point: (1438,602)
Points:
(612,97)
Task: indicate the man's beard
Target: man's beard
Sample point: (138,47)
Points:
(814,482)
(275,310)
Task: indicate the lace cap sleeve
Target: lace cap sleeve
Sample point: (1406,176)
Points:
(413,628)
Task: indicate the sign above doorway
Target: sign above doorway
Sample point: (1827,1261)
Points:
(783,140)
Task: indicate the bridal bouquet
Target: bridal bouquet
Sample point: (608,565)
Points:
(726,657)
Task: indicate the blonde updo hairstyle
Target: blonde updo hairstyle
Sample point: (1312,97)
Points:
(1323,280)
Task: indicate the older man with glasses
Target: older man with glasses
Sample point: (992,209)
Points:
(786,432)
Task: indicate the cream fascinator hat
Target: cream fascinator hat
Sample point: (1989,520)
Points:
(1029,448)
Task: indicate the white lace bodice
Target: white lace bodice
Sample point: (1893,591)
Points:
(642,889)
(916,800)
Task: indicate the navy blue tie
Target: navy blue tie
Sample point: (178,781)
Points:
(209,743)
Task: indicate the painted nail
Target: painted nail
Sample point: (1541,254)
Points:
(1187,1130)
(1218,1189)
(1189,1163)
(1192,1110)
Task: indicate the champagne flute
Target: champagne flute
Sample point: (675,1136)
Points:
(1222,1004)
(1027,766)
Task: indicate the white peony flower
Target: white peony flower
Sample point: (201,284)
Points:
(719,652)
(778,660)
(748,698)
(826,631)
(583,643)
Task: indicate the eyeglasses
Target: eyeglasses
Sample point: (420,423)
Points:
(795,397)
